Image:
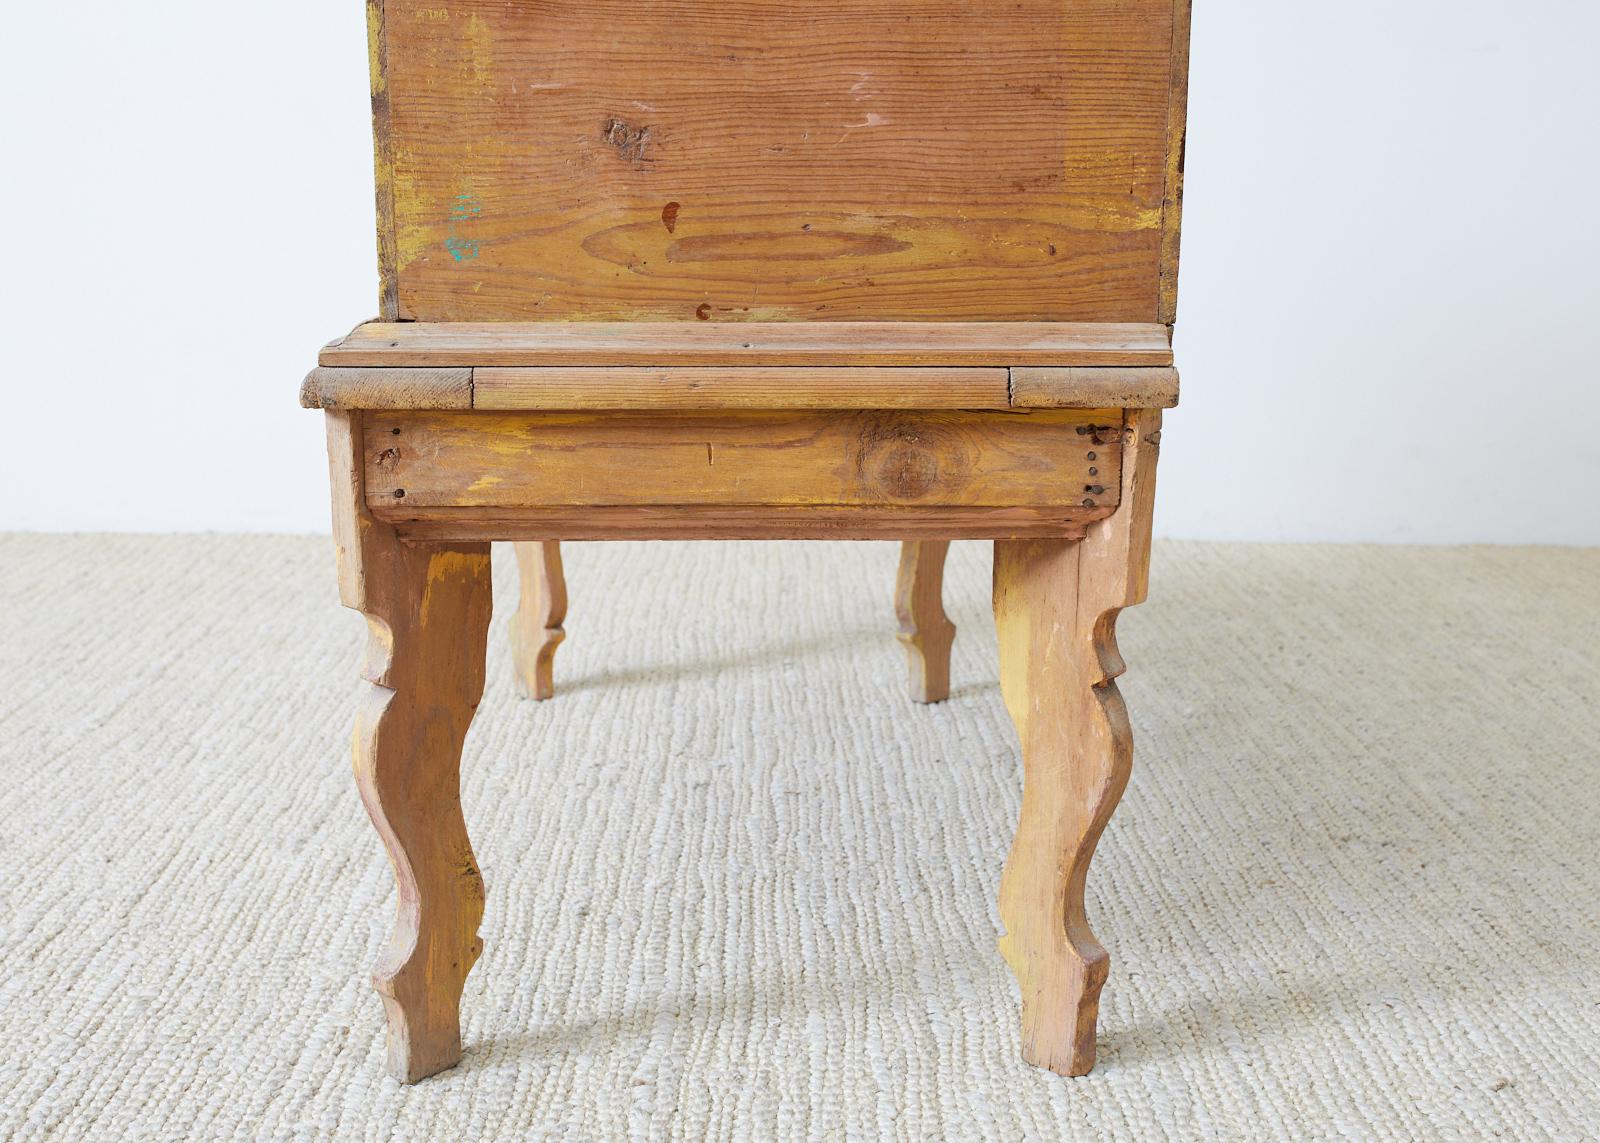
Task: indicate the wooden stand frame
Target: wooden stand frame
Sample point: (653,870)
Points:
(420,574)
(899,271)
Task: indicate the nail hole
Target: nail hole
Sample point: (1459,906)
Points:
(1088,503)
(396,432)
(399,493)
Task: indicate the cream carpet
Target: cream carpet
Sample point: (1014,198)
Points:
(741,888)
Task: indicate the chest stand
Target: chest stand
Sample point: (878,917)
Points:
(431,462)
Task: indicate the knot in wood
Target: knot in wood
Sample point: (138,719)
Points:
(630,141)
(903,461)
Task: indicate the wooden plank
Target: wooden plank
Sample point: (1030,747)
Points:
(370,388)
(1093,387)
(780,387)
(765,344)
(730,159)
(383,163)
(1177,147)
(735,522)
(1040,458)
(759,387)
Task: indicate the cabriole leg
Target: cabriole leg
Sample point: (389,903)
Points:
(427,608)
(925,630)
(536,629)
(1056,604)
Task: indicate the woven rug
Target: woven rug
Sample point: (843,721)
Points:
(741,888)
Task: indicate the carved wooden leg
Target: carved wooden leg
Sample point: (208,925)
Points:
(925,630)
(536,629)
(427,608)
(1056,604)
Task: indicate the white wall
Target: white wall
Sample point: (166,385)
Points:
(1390,267)
(1390,274)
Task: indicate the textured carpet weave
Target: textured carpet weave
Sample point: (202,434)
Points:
(741,888)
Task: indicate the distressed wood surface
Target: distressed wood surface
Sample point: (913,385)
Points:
(1177,148)
(383,160)
(1094,387)
(427,608)
(733,522)
(1056,605)
(926,632)
(1041,458)
(378,388)
(536,629)
(756,387)
(657,344)
(740,160)
(577,388)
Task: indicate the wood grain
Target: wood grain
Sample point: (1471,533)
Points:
(898,159)
(926,632)
(1056,604)
(706,388)
(659,344)
(368,388)
(427,608)
(754,387)
(383,162)
(734,522)
(1040,458)
(1177,150)
(1090,387)
(536,628)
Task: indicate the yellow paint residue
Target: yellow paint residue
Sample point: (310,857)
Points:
(380,82)
(413,237)
(443,568)
(480,47)
(1119,216)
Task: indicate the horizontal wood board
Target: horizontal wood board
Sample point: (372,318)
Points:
(736,522)
(383,388)
(738,160)
(556,387)
(1036,459)
(756,387)
(1133,387)
(469,344)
